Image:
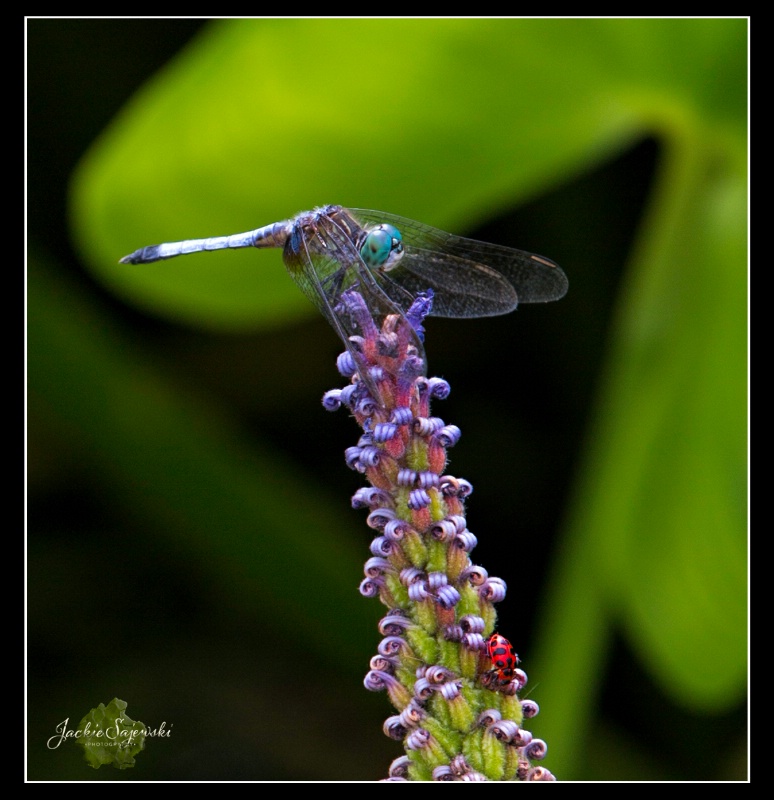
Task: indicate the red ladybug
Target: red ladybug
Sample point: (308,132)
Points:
(503,658)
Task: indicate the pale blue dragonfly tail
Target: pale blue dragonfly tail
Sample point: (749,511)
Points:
(274,235)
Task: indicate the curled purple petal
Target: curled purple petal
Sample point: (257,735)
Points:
(391,646)
(529,708)
(438,388)
(411,575)
(402,416)
(472,623)
(449,435)
(464,488)
(388,343)
(505,730)
(332,400)
(419,309)
(352,457)
(428,480)
(511,688)
(381,546)
(418,498)
(418,592)
(488,717)
(413,366)
(423,689)
(522,738)
(377,681)
(492,590)
(379,518)
(370,456)
(540,774)
(443,530)
(349,394)
(455,487)
(352,303)
(393,625)
(396,529)
(443,773)
(447,597)
(450,690)
(406,477)
(452,633)
(346,364)
(474,642)
(384,431)
(536,750)
(417,739)
(376,374)
(435,580)
(394,728)
(382,663)
(370,587)
(473,777)
(426,426)
(459,764)
(466,541)
(476,575)
(437,674)
(369,497)
(376,566)
(412,714)
(399,767)
(366,406)
(459,521)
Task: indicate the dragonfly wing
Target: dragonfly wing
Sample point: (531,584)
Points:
(467,275)
(461,287)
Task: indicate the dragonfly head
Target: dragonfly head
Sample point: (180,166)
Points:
(382,248)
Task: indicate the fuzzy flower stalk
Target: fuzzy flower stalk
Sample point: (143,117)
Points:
(456,697)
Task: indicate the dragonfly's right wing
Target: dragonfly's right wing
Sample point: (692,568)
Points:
(469,278)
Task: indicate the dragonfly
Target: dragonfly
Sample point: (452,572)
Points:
(389,261)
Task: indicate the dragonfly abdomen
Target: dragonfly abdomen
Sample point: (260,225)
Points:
(274,235)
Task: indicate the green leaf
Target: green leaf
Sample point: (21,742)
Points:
(246,128)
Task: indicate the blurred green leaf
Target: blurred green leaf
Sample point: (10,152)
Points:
(248,127)
(677,380)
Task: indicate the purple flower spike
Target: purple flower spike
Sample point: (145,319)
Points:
(437,661)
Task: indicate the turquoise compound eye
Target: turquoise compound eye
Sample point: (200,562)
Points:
(382,247)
